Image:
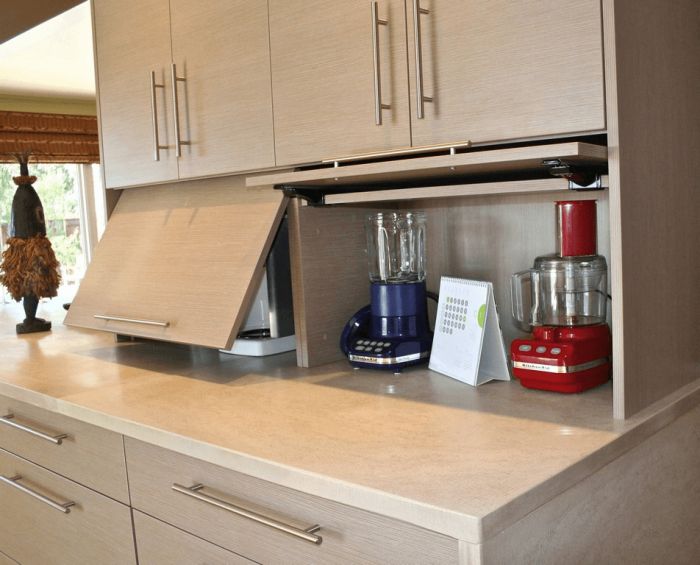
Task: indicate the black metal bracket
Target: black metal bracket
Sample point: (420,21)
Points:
(313,196)
(579,178)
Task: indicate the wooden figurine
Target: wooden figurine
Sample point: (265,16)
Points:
(29,268)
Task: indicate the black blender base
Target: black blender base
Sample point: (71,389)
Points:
(33,326)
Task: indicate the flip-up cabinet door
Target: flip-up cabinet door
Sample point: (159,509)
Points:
(492,70)
(180,262)
(339,78)
(221,56)
(132,50)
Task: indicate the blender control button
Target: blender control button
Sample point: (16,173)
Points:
(373,343)
(541,349)
(525,348)
(555,350)
(378,350)
(360,348)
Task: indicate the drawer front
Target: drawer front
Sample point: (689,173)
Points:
(5,560)
(157,543)
(348,535)
(35,529)
(89,455)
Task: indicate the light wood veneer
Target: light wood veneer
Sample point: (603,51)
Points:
(500,70)
(158,543)
(97,529)
(322,78)
(349,534)
(90,455)
(191,255)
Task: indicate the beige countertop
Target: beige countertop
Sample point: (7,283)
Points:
(419,447)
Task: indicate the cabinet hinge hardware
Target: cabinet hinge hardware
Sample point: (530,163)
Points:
(313,196)
(580,179)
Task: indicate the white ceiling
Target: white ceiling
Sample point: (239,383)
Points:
(52,59)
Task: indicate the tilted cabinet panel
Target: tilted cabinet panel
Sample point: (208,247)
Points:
(500,70)
(323,78)
(180,262)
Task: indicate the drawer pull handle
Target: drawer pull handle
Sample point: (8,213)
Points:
(14,483)
(10,421)
(195,491)
(132,320)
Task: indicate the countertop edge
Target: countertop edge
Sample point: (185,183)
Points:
(644,425)
(443,521)
(464,527)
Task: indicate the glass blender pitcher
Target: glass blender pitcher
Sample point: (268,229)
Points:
(392,332)
(563,299)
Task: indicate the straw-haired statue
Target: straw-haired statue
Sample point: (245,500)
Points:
(29,268)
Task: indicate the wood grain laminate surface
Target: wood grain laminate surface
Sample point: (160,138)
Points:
(653,80)
(499,70)
(132,38)
(159,543)
(189,255)
(322,78)
(348,535)
(96,530)
(89,455)
(222,50)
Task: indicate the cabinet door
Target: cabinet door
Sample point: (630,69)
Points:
(180,262)
(132,39)
(323,73)
(221,49)
(158,543)
(500,70)
(37,527)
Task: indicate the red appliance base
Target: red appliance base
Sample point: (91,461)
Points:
(563,359)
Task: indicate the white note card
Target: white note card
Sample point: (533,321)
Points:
(468,343)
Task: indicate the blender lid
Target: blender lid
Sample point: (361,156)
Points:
(590,263)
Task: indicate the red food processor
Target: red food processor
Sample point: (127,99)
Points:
(563,301)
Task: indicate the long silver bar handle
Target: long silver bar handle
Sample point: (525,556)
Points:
(132,320)
(14,483)
(378,106)
(421,98)
(8,419)
(195,491)
(176,110)
(154,116)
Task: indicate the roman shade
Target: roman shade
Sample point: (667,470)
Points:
(48,138)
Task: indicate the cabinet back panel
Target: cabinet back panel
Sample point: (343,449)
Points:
(491,237)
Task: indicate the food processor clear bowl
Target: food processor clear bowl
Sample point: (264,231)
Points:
(396,247)
(563,291)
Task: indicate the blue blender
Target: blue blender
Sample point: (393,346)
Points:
(392,332)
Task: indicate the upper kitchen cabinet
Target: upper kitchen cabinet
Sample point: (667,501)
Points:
(184,89)
(339,78)
(498,70)
(132,50)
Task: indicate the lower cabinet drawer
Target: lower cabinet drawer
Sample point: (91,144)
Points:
(5,560)
(269,523)
(48,519)
(86,454)
(158,543)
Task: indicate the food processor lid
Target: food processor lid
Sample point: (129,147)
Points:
(587,263)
